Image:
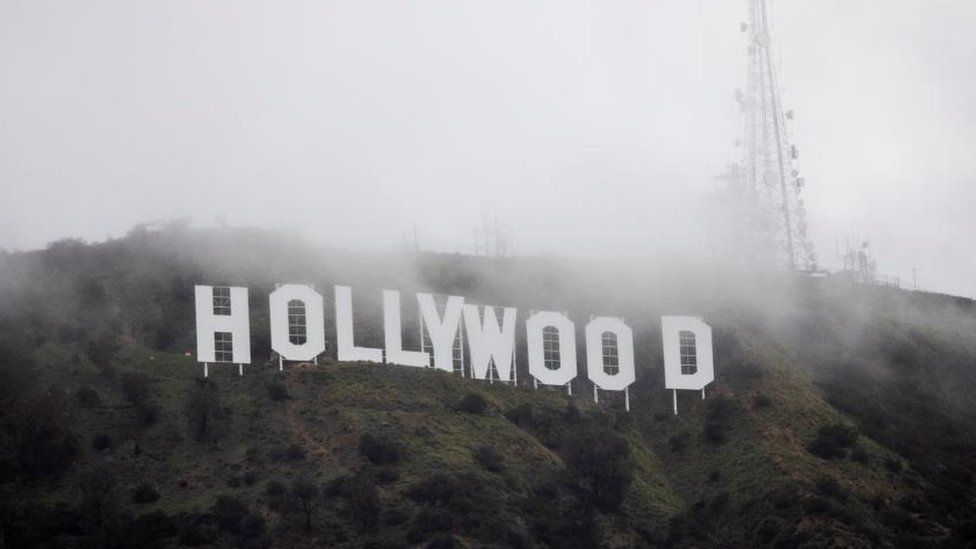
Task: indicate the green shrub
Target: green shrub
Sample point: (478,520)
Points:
(387,475)
(720,412)
(275,488)
(204,416)
(379,449)
(101,351)
(198,530)
(156,525)
(364,501)
(102,442)
(833,441)
(250,477)
(819,505)
(444,541)
(829,487)
(678,442)
(600,464)
(522,415)
(276,492)
(295,452)
(429,521)
(473,403)
(252,526)
(136,390)
(894,465)
(229,511)
(762,400)
(87,397)
(144,493)
(305,492)
(489,458)
(278,392)
(767,530)
(43,443)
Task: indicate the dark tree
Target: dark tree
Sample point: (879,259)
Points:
(305,493)
(473,403)
(203,412)
(101,351)
(364,501)
(379,449)
(136,389)
(489,458)
(44,443)
(598,461)
(145,493)
(100,504)
(833,441)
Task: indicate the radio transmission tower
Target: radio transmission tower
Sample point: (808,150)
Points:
(768,182)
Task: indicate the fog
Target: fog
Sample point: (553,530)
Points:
(587,128)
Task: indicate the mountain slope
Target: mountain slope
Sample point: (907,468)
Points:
(841,414)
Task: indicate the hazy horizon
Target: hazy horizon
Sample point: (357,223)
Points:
(587,128)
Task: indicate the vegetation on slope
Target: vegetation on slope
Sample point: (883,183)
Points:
(841,414)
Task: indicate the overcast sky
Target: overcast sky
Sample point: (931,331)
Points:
(588,127)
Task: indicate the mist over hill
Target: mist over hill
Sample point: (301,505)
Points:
(841,414)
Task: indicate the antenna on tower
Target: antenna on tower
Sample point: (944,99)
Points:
(494,237)
(768,182)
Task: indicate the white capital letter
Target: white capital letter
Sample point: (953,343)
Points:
(222,314)
(394,334)
(490,343)
(347,350)
(297,322)
(444,331)
(609,340)
(687,353)
(534,328)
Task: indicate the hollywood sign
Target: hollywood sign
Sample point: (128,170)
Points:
(448,327)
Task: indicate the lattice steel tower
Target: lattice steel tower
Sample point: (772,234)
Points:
(768,180)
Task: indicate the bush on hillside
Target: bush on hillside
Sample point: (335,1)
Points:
(277,493)
(102,442)
(522,415)
(473,403)
(155,525)
(198,530)
(363,500)
(828,486)
(87,397)
(833,441)
(679,442)
(720,412)
(278,392)
(145,493)
(101,351)
(295,452)
(305,493)
(386,475)
(489,458)
(136,390)
(100,502)
(379,449)
(204,415)
(229,512)
(44,445)
(599,463)
(252,526)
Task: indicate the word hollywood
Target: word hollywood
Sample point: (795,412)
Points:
(448,327)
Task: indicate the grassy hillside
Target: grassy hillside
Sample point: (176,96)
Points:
(841,414)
